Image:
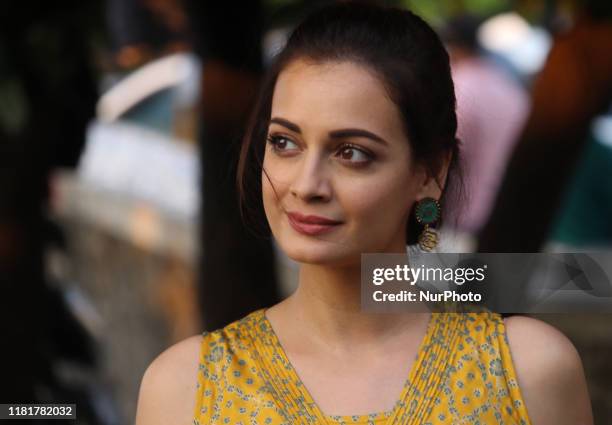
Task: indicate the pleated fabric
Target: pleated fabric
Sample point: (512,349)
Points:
(462,374)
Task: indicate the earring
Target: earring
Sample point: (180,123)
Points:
(428,213)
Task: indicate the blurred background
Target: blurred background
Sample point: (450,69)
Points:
(120,121)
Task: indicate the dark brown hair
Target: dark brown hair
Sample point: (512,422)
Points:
(404,53)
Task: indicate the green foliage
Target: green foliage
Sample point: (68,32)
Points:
(438,11)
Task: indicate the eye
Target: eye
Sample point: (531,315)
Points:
(282,143)
(354,155)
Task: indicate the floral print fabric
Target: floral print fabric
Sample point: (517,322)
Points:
(463,374)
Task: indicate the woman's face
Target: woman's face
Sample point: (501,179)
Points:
(338,163)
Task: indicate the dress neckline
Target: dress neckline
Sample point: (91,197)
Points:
(424,375)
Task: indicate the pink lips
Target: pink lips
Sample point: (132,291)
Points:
(311,224)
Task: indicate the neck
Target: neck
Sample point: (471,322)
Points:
(327,304)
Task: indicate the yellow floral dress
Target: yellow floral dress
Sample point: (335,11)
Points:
(463,374)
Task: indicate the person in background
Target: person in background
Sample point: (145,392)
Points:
(491,109)
(574,86)
(583,221)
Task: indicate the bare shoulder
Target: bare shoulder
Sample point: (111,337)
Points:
(549,373)
(167,390)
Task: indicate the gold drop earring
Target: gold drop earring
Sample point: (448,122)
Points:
(427,213)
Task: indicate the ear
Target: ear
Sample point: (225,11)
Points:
(433,184)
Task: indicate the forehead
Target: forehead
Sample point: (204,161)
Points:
(334,95)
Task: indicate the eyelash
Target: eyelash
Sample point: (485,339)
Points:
(273,140)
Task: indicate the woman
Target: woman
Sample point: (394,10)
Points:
(356,128)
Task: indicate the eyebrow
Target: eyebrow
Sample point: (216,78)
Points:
(336,134)
(287,124)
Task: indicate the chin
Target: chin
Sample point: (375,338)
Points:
(318,252)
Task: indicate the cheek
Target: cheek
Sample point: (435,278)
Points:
(274,187)
(277,173)
(269,198)
(381,200)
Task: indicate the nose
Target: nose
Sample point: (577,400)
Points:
(311,182)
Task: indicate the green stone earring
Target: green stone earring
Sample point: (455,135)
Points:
(427,213)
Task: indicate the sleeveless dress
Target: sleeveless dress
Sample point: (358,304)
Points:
(463,374)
